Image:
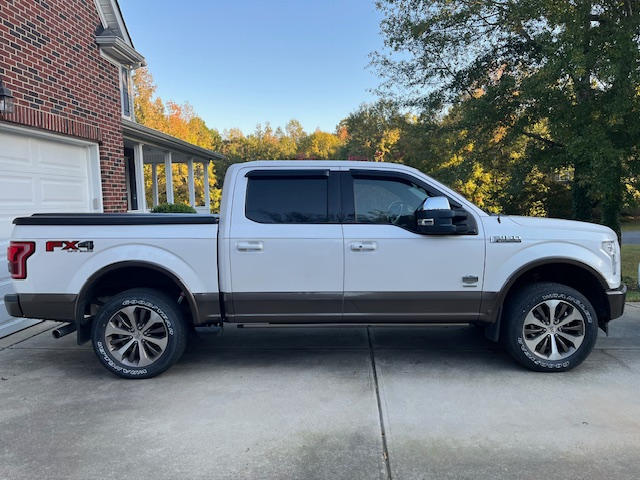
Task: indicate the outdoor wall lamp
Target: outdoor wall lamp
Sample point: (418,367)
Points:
(6,99)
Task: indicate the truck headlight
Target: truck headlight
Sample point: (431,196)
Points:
(609,247)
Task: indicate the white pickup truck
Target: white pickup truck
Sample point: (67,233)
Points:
(317,242)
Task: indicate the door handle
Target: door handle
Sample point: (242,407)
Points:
(250,246)
(363,246)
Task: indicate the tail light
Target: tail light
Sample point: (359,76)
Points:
(17,254)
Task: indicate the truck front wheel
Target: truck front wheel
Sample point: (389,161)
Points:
(139,333)
(549,327)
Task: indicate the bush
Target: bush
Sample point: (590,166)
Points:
(173,208)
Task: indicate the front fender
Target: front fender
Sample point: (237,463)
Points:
(505,262)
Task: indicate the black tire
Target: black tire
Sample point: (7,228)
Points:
(171,326)
(523,303)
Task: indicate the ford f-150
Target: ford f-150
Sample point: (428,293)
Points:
(317,242)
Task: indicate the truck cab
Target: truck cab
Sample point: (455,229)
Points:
(330,243)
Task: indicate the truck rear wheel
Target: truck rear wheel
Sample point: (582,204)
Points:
(139,333)
(549,327)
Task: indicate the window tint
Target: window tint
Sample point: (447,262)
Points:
(287,200)
(387,201)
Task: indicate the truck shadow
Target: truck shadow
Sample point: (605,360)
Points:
(293,347)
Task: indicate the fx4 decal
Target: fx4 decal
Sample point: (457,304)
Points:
(70,245)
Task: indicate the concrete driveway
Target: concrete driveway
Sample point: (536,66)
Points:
(325,403)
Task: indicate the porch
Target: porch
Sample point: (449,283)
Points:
(151,177)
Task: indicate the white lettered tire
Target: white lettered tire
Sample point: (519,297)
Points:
(549,327)
(139,333)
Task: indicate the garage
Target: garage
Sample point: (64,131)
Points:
(42,172)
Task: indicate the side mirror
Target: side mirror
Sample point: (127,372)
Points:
(435,217)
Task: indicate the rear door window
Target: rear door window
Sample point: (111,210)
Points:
(287,199)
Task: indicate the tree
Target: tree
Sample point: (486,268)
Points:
(266,144)
(295,131)
(319,146)
(563,74)
(372,131)
(148,111)
(182,122)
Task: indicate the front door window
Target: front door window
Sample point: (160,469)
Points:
(387,201)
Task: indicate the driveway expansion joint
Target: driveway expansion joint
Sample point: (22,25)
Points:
(383,435)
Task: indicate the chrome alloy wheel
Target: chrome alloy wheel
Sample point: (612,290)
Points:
(553,329)
(136,336)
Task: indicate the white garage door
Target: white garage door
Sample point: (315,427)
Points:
(41,173)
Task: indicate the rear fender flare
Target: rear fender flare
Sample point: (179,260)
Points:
(84,328)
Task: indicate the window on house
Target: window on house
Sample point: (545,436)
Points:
(125,85)
(130,175)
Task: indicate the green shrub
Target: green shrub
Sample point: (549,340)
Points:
(173,208)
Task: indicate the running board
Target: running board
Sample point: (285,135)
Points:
(344,325)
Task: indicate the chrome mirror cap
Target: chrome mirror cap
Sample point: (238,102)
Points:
(436,203)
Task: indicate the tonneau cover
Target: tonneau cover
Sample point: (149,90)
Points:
(115,219)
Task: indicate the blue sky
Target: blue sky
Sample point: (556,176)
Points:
(248,61)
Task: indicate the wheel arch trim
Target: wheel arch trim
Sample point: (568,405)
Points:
(82,327)
(493,303)
(527,267)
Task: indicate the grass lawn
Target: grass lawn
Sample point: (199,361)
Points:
(630,223)
(630,260)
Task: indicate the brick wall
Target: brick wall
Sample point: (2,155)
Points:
(52,65)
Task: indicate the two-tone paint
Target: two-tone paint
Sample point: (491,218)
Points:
(238,270)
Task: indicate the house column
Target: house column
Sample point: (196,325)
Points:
(154,183)
(168,172)
(138,159)
(207,199)
(192,189)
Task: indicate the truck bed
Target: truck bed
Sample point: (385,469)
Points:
(73,251)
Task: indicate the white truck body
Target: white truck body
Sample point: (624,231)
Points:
(337,270)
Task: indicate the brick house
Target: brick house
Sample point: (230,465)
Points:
(70,141)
